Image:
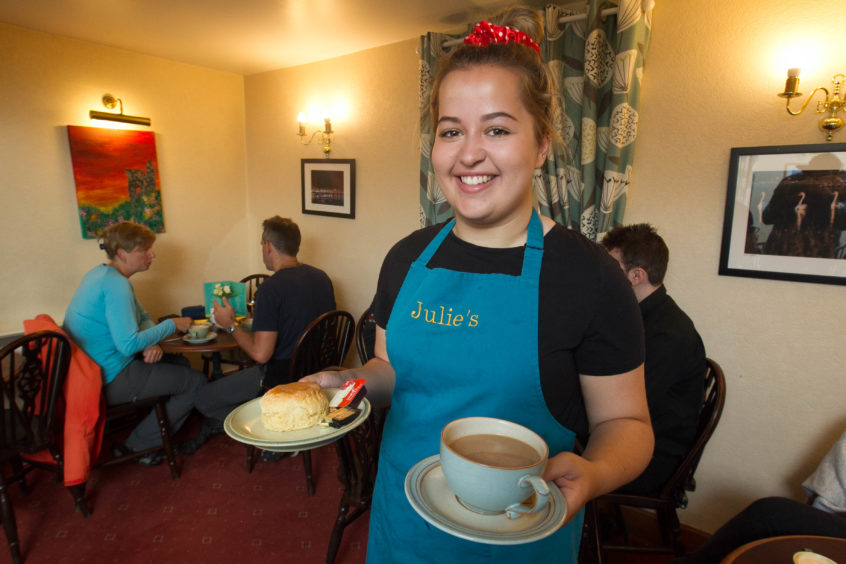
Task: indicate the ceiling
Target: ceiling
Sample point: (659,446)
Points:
(246,36)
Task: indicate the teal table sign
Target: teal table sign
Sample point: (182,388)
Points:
(235,291)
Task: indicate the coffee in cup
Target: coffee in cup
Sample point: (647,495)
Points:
(199,330)
(495,466)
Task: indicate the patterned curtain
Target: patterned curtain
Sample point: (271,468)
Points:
(597,63)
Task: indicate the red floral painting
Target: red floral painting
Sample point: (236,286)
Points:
(117,178)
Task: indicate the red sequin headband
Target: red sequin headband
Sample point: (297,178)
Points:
(486,33)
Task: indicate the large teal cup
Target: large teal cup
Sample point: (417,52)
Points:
(485,476)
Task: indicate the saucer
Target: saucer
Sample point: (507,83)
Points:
(210,336)
(244,424)
(430,496)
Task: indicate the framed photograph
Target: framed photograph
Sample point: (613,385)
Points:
(785,215)
(329,187)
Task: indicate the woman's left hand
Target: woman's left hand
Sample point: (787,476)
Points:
(572,474)
(153,354)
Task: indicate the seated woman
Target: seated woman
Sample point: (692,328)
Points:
(106,320)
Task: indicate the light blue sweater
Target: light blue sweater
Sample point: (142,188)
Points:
(106,320)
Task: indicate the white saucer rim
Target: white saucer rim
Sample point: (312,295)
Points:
(556,514)
(332,434)
(211,335)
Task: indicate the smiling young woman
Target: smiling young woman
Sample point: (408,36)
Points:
(485,153)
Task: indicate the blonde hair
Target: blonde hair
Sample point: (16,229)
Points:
(537,88)
(127,236)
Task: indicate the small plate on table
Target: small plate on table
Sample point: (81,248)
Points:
(210,336)
(244,425)
(432,498)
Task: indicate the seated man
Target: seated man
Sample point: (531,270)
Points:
(294,296)
(674,370)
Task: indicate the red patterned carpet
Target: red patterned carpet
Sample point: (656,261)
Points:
(215,512)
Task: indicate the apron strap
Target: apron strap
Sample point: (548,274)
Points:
(532,256)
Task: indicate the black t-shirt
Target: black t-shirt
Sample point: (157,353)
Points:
(286,303)
(588,319)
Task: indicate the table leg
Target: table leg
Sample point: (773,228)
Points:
(217,371)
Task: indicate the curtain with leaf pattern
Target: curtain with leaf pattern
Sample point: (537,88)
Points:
(597,63)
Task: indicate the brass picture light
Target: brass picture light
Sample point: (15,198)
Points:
(110,102)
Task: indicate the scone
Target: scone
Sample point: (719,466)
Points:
(293,406)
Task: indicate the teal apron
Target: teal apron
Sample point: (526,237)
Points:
(462,344)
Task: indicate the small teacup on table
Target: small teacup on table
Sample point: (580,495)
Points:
(199,330)
(495,466)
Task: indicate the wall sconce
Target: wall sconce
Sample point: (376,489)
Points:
(110,102)
(832,103)
(325,135)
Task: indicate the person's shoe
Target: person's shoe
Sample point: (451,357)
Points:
(150,459)
(270,456)
(208,429)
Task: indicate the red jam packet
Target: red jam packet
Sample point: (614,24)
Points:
(351,393)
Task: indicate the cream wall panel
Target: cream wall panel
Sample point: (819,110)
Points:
(48,82)
(372,96)
(711,76)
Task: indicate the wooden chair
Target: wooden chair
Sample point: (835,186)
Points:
(252,282)
(32,374)
(674,493)
(365,335)
(125,416)
(358,451)
(322,344)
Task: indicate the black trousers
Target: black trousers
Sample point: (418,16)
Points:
(765,518)
(171,376)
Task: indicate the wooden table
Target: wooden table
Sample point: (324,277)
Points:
(781,549)
(223,342)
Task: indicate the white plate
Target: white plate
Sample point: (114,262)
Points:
(244,425)
(210,336)
(430,495)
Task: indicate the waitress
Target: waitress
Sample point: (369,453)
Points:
(500,312)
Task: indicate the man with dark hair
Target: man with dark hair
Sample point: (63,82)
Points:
(675,356)
(294,296)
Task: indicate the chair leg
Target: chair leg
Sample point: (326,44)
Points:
(78,494)
(591,550)
(670,526)
(675,533)
(161,415)
(18,473)
(621,523)
(251,458)
(307,466)
(9,526)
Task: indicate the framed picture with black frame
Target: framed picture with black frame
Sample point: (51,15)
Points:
(785,214)
(329,187)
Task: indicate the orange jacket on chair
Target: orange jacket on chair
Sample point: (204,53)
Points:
(84,409)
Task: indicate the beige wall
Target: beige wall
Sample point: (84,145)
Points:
(373,99)
(712,72)
(49,82)
(711,75)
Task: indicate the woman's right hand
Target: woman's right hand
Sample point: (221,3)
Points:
(182,323)
(327,378)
